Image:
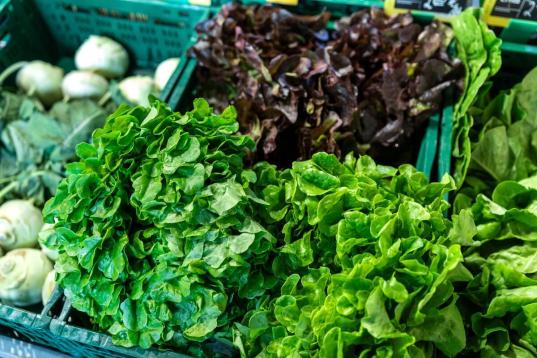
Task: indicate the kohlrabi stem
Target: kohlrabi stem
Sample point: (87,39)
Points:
(7,189)
(104,98)
(14,183)
(8,179)
(37,102)
(11,69)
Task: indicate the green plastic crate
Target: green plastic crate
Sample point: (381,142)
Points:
(51,328)
(52,30)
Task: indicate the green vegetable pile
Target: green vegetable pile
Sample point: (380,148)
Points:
(495,218)
(156,226)
(500,251)
(165,238)
(367,265)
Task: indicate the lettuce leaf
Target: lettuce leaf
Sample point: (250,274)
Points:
(365,263)
(479,50)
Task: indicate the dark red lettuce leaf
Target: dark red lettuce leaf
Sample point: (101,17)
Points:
(368,86)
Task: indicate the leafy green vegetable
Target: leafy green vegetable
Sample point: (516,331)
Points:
(35,145)
(501,251)
(504,140)
(479,50)
(156,227)
(365,263)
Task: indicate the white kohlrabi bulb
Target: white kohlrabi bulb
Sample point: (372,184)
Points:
(42,80)
(22,275)
(136,89)
(164,71)
(20,223)
(84,84)
(102,55)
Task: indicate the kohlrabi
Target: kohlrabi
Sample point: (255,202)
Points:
(164,71)
(136,89)
(84,84)
(102,55)
(42,80)
(22,275)
(20,223)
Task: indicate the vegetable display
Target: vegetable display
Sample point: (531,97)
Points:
(164,238)
(495,219)
(367,87)
(38,135)
(38,132)
(272,227)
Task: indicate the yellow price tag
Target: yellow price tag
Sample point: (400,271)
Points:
(285,2)
(494,20)
(390,9)
(200,2)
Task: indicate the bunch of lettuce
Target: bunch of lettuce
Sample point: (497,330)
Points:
(366,262)
(479,50)
(503,140)
(368,86)
(500,250)
(156,228)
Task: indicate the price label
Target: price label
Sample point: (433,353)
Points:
(200,2)
(450,7)
(444,7)
(499,12)
(285,2)
(515,9)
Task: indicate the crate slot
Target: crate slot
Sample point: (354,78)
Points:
(132,16)
(178,24)
(76,8)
